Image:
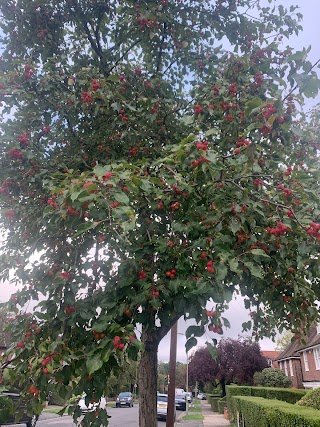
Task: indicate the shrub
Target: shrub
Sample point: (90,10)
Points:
(273,377)
(222,403)
(259,412)
(311,398)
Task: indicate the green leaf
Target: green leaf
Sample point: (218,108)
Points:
(212,350)
(122,198)
(252,105)
(94,363)
(226,322)
(192,342)
(254,269)
(213,131)
(259,252)
(194,330)
(85,226)
(187,120)
(234,265)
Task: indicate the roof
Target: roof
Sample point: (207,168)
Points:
(293,349)
(269,354)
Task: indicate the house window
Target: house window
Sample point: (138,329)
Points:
(291,367)
(316,353)
(305,359)
(285,367)
(318,328)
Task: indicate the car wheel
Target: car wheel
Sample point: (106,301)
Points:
(33,421)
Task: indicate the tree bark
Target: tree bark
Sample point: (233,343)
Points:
(148,374)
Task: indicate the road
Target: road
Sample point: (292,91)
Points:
(128,417)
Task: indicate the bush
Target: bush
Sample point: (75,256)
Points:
(222,403)
(273,377)
(311,399)
(284,394)
(259,412)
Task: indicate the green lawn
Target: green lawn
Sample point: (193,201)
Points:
(52,410)
(193,417)
(195,408)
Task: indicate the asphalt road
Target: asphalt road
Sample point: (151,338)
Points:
(128,417)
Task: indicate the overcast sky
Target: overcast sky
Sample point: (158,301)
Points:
(237,313)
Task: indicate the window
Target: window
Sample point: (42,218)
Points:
(318,328)
(305,359)
(291,367)
(285,367)
(316,353)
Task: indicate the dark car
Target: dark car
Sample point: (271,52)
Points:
(20,411)
(125,399)
(181,404)
(13,409)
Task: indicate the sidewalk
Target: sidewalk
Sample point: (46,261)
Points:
(211,419)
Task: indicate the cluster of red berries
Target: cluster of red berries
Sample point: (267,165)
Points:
(14,154)
(243,142)
(197,162)
(27,71)
(175,206)
(122,116)
(4,187)
(71,211)
(23,139)
(46,129)
(86,98)
(98,335)
(69,309)
(171,273)
(10,214)
(202,145)
(279,230)
(33,390)
(286,191)
(147,23)
(107,176)
(288,171)
(65,275)
(211,313)
(314,230)
(142,275)
(198,109)
(95,85)
(117,344)
(233,89)
(268,111)
(209,267)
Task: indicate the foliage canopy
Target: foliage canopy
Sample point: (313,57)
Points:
(145,170)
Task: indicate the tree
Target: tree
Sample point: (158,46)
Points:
(272,377)
(145,170)
(284,341)
(236,361)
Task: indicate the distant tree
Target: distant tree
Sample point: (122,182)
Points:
(163,373)
(272,377)
(5,319)
(236,361)
(181,375)
(284,340)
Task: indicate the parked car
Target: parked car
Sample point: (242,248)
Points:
(201,396)
(162,406)
(86,406)
(13,408)
(181,403)
(125,399)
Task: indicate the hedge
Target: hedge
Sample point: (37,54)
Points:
(222,403)
(289,395)
(259,412)
(214,403)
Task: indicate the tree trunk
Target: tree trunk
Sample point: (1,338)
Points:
(223,387)
(148,373)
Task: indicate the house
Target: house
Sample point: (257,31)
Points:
(271,357)
(301,362)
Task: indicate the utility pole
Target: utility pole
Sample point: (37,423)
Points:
(187,386)
(172,375)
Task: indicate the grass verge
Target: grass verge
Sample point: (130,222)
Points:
(193,417)
(194,408)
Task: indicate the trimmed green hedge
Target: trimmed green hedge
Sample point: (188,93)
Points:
(214,403)
(289,395)
(259,412)
(222,403)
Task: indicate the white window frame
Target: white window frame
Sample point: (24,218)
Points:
(285,367)
(306,362)
(291,367)
(316,353)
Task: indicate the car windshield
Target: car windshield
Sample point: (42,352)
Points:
(162,398)
(125,394)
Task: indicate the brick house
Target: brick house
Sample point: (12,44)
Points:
(301,362)
(271,357)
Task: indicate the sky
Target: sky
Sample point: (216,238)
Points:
(237,314)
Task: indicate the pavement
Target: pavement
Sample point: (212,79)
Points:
(211,419)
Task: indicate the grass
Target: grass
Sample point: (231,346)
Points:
(194,408)
(193,417)
(52,410)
